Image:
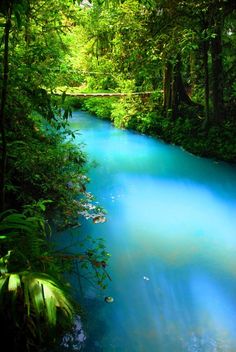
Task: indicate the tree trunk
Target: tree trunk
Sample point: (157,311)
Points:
(217,74)
(181,90)
(179,93)
(174,91)
(3,105)
(167,86)
(192,73)
(206,80)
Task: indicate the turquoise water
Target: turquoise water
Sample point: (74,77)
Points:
(171,233)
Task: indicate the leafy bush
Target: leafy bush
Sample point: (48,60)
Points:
(33,295)
(48,172)
(46,166)
(36,301)
(101,107)
(146,116)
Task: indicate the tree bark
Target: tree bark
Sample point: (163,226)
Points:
(174,91)
(217,74)
(206,80)
(181,90)
(167,86)
(3,161)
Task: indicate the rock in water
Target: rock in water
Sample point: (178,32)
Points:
(109,299)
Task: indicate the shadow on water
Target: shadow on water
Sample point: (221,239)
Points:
(171,234)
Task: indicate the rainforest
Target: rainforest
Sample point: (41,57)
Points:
(117,175)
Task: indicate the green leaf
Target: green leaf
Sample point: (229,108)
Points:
(14,282)
(43,294)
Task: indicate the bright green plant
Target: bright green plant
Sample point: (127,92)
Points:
(40,293)
(31,291)
(102,107)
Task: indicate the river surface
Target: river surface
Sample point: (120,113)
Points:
(171,233)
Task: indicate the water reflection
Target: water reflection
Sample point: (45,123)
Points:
(171,233)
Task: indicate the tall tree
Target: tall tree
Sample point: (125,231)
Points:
(6,10)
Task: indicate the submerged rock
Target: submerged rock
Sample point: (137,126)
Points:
(99,219)
(109,299)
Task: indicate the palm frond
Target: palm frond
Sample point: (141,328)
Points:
(14,282)
(42,295)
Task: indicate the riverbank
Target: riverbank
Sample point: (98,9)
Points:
(46,194)
(216,141)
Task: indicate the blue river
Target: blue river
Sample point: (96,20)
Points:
(171,233)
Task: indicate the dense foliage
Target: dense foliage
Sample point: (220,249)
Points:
(43,176)
(183,51)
